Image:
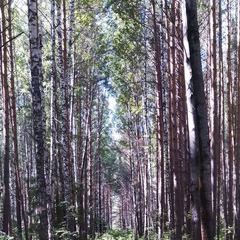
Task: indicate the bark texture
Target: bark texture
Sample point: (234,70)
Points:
(38,115)
(201,120)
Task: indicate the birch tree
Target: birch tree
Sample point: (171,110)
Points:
(198,127)
(38,115)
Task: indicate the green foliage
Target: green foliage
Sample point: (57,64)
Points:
(128,235)
(224,232)
(116,234)
(126,9)
(62,233)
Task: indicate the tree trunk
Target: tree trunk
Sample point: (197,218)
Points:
(53,127)
(161,208)
(200,122)
(214,113)
(237,216)
(38,115)
(230,152)
(194,154)
(7,221)
(20,211)
(221,100)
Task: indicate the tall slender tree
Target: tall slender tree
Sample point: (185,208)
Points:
(198,127)
(7,216)
(214,111)
(194,154)
(21,215)
(230,153)
(237,216)
(35,42)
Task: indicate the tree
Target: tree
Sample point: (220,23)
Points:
(237,228)
(7,222)
(214,111)
(201,188)
(64,58)
(13,114)
(38,115)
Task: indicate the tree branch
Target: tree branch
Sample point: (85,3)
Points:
(11,39)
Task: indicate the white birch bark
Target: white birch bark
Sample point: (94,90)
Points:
(194,161)
(38,115)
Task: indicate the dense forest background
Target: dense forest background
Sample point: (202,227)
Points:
(120,114)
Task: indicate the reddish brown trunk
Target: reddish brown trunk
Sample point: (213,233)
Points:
(159,121)
(7,221)
(19,195)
